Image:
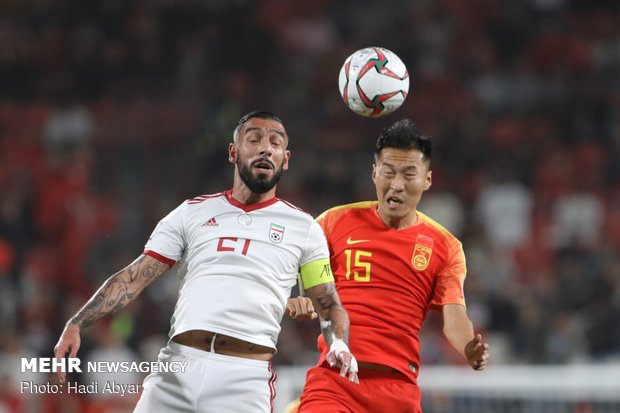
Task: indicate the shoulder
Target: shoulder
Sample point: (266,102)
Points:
(287,210)
(202,198)
(337,212)
(441,233)
(290,205)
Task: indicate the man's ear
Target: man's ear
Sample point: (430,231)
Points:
(232,153)
(287,157)
(374,173)
(429,180)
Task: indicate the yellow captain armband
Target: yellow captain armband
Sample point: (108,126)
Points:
(316,272)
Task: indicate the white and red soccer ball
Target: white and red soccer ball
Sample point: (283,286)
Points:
(373,82)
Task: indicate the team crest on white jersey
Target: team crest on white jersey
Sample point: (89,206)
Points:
(276,233)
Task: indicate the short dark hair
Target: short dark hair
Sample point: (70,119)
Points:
(261,114)
(403,134)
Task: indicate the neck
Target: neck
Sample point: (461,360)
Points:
(243,194)
(398,223)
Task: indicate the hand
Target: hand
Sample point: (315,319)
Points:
(300,308)
(68,343)
(477,353)
(340,355)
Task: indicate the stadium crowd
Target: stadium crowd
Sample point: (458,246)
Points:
(112,113)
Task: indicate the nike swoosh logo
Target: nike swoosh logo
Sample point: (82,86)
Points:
(356,241)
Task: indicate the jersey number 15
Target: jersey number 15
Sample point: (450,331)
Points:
(357,260)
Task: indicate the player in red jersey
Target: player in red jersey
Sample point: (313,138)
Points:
(391,264)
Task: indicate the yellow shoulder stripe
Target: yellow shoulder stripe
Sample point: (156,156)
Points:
(362,204)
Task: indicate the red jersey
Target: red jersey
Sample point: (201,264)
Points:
(387,279)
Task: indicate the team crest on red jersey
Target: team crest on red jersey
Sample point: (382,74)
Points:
(422,252)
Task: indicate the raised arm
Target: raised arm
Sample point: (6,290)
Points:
(458,329)
(335,327)
(115,293)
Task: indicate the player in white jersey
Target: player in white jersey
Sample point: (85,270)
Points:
(238,255)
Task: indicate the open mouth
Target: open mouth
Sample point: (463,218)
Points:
(394,201)
(263,166)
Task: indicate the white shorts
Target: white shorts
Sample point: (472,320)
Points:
(211,383)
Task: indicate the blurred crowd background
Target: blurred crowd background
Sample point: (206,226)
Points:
(114,112)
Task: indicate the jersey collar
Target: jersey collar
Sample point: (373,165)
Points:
(419,221)
(249,207)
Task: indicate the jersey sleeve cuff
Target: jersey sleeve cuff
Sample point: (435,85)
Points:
(160,257)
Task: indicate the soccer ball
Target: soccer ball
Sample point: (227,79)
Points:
(373,82)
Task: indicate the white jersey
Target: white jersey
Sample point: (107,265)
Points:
(237,263)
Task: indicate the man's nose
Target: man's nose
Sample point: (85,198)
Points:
(265,149)
(397,183)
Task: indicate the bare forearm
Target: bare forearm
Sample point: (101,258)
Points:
(334,318)
(115,293)
(459,336)
(335,325)
(459,331)
(119,290)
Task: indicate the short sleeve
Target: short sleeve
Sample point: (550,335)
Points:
(327,221)
(449,286)
(167,242)
(316,245)
(324,221)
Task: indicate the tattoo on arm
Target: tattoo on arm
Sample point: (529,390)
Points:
(334,318)
(119,290)
(327,299)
